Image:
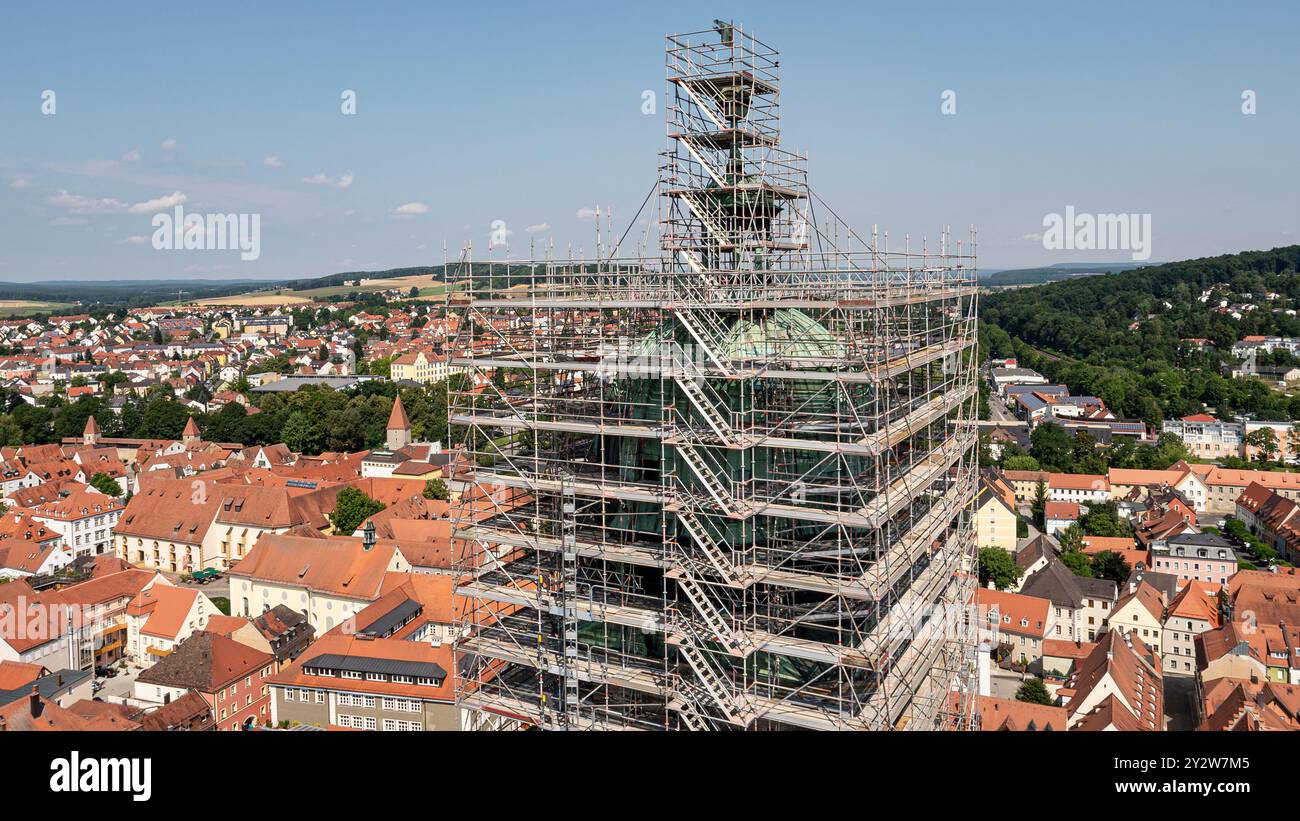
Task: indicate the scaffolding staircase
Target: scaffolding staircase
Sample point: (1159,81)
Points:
(708,333)
(714,553)
(693,385)
(713,680)
(712,485)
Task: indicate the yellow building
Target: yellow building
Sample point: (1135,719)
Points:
(995,515)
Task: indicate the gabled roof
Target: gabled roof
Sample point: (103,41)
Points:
(1061,510)
(1198,601)
(205,662)
(1056,583)
(189,712)
(1146,596)
(36,713)
(1133,670)
(997,714)
(1078,481)
(1015,613)
(165,607)
(1109,714)
(337,565)
(170,510)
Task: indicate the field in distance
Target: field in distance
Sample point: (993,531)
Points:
(12,307)
(428,284)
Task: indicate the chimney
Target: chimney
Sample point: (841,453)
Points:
(34,702)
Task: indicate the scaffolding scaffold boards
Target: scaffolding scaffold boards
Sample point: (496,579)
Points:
(730,485)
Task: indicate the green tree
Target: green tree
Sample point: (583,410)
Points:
(1021,461)
(436,489)
(162,418)
(106,484)
(1078,562)
(1264,440)
(1102,519)
(10,432)
(300,434)
(1052,446)
(1034,691)
(1110,565)
(1039,507)
(351,509)
(1071,538)
(999,567)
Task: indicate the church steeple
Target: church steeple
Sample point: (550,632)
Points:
(90,436)
(399,427)
(191,437)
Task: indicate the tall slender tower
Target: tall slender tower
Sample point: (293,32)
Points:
(730,486)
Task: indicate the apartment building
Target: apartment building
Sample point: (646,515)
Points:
(84,517)
(1195,610)
(1205,436)
(1199,557)
(1016,622)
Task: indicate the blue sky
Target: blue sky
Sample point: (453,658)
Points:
(529,112)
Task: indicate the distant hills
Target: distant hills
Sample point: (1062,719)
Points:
(139,292)
(1056,273)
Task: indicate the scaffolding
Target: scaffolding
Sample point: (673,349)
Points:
(736,477)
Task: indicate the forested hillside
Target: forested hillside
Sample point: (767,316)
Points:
(1121,336)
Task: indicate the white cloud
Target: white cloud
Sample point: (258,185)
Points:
(1031,237)
(77,204)
(344,180)
(410,209)
(541,226)
(273,162)
(585,213)
(138,239)
(159,203)
(131,156)
(20,183)
(169,144)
